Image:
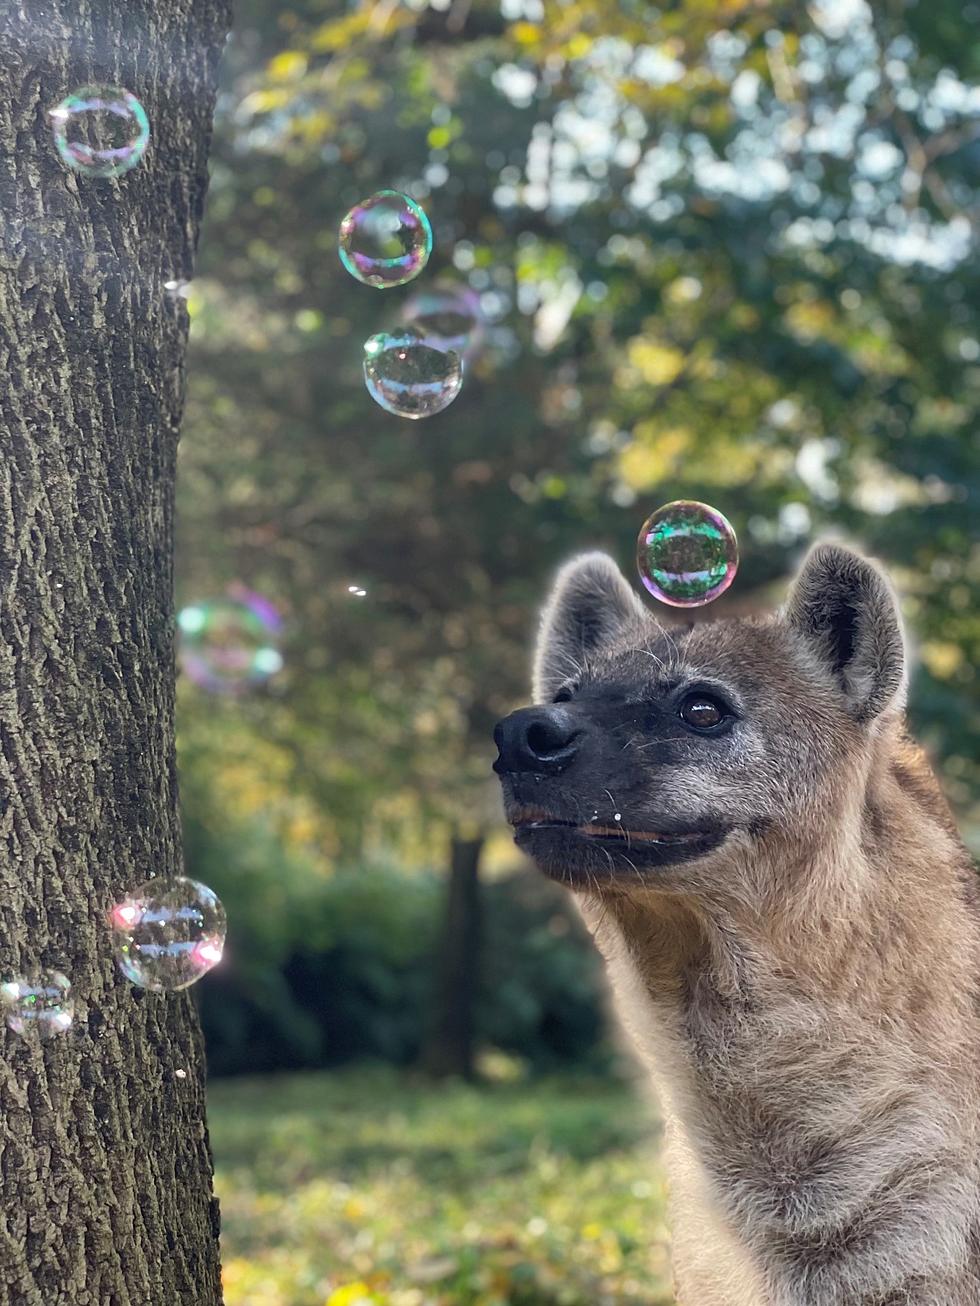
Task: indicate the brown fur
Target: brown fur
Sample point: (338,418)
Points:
(805,994)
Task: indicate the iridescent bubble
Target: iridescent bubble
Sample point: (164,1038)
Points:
(448,316)
(410,376)
(230,644)
(100,131)
(169,932)
(687,554)
(385,240)
(41,1002)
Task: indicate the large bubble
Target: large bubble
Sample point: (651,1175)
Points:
(409,375)
(385,240)
(100,131)
(229,645)
(687,554)
(448,316)
(169,932)
(41,1003)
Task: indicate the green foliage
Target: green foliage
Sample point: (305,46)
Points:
(326,968)
(722,260)
(540,986)
(371,1187)
(271,896)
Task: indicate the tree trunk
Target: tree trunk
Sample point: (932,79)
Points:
(105,1167)
(451,1044)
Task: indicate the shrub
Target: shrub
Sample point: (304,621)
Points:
(326,969)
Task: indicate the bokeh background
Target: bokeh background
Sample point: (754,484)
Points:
(724,250)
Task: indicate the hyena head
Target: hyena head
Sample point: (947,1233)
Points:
(664,758)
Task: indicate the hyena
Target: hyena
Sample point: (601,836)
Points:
(790,922)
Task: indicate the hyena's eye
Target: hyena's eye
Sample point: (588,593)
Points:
(564,694)
(702,711)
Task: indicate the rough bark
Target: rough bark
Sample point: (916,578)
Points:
(105,1168)
(451,1044)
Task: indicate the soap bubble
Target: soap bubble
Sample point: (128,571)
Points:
(448,316)
(410,376)
(687,554)
(169,932)
(385,240)
(42,1002)
(100,131)
(228,645)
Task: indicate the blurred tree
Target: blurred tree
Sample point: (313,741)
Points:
(105,1169)
(721,254)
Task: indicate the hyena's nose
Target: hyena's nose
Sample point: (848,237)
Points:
(539,739)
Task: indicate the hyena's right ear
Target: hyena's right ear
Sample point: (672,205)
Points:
(847,611)
(590,605)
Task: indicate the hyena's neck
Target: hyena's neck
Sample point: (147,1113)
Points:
(819,1082)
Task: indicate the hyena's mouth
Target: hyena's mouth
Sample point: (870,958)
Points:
(587,855)
(531,819)
(620,833)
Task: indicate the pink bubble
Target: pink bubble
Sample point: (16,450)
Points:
(385,240)
(177,937)
(100,131)
(686,553)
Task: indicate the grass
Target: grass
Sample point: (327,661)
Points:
(372,1188)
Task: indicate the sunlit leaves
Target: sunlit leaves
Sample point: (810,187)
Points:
(695,284)
(652,362)
(289,66)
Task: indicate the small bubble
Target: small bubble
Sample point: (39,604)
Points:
(686,554)
(448,316)
(230,644)
(40,1002)
(267,661)
(385,240)
(100,131)
(169,932)
(409,376)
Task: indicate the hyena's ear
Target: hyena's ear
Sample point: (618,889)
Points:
(590,605)
(847,611)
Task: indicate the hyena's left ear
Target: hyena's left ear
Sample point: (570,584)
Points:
(846,609)
(590,605)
